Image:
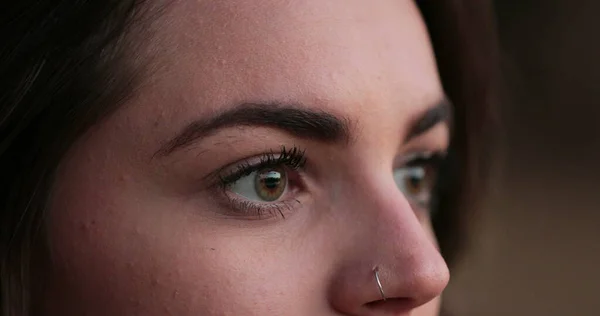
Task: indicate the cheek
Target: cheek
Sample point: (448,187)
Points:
(122,264)
(116,250)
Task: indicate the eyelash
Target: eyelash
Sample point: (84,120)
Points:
(292,159)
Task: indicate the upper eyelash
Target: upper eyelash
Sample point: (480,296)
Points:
(293,158)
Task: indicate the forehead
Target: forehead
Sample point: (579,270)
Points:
(348,56)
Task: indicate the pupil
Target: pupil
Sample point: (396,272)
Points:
(414,181)
(272,179)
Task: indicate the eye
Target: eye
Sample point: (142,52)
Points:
(417,178)
(268,184)
(265,185)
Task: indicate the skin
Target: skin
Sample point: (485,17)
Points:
(133,233)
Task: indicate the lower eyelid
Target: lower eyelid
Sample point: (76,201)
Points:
(259,209)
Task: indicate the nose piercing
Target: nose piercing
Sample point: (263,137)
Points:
(376,271)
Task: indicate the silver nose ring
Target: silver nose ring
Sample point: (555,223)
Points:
(376,272)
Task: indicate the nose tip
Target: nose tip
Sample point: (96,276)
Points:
(394,290)
(427,281)
(418,283)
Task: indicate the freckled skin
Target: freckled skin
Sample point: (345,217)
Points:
(134,235)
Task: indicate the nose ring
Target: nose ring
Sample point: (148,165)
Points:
(376,272)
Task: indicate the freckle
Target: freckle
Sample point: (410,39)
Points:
(213,249)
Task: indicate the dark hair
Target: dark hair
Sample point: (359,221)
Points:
(62,68)
(65,65)
(464,39)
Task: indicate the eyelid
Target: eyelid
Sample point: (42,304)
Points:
(245,166)
(267,158)
(214,178)
(419,156)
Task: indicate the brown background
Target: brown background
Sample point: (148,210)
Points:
(537,247)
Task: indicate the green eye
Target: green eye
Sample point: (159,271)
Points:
(265,185)
(416,183)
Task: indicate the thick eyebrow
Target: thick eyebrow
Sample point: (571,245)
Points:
(294,119)
(438,113)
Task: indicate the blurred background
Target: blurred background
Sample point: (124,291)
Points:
(537,247)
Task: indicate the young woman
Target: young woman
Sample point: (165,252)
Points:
(253,157)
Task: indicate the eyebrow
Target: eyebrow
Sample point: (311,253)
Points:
(294,119)
(438,113)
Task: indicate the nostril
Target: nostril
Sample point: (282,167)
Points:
(392,306)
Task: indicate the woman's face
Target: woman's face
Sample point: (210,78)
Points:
(278,153)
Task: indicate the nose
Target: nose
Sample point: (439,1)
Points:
(391,264)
